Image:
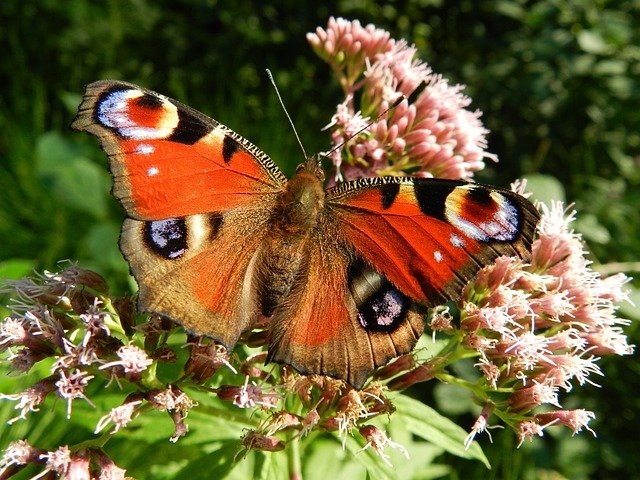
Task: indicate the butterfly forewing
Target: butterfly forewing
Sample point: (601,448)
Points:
(169,160)
(430,236)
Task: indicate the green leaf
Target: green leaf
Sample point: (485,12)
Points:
(101,245)
(453,399)
(373,464)
(15,268)
(428,424)
(218,463)
(75,181)
(545,188)
(315,452)
(592,42)
(591,229)
(270,465)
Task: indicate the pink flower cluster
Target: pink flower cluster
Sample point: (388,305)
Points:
(60,463)
(69,318)
(398,117)
(536,329)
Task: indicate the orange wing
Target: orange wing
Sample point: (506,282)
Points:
(342,318)
(197,270)
(169,160)
(199,196)
(430,236)
(386,248)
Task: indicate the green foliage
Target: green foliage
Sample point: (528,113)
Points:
(557,81)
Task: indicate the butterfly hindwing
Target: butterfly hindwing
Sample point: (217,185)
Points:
(430,236)
(169,160)
(342,318)
(196,269)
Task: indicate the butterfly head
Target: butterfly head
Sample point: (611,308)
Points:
(313,166)
(304,196)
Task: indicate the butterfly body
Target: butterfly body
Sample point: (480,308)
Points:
(217,237)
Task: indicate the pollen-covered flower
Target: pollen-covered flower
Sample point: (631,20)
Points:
(58,461)
(14,331)
(248,395)
(16,455)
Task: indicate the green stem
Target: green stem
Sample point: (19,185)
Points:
(98,442)
(293,457)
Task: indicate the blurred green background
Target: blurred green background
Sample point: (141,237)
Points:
(558,82)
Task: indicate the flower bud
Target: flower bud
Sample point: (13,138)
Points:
(422,373)
(266,443)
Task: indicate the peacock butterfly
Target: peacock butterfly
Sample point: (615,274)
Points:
(218,238)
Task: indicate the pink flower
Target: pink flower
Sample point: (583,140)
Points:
(282,420)
(71,386)
(378,441)
(94,320)
(311,419)
(576,420)
(346,46)
(58,461)
(133,361)
(79,466)
(527,430)
(205,359)
(14,331)
(258,441)
(120,416)
(423,372)
(248,395)
(17,454)
(481,425)
(30,399)
(177,404)
(108,469)
(526,398)
(541,326)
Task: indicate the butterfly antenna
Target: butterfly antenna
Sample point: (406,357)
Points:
(347,140)
(275,87)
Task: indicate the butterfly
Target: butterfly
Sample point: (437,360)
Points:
(219,240)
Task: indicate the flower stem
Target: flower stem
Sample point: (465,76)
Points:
(293,456)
